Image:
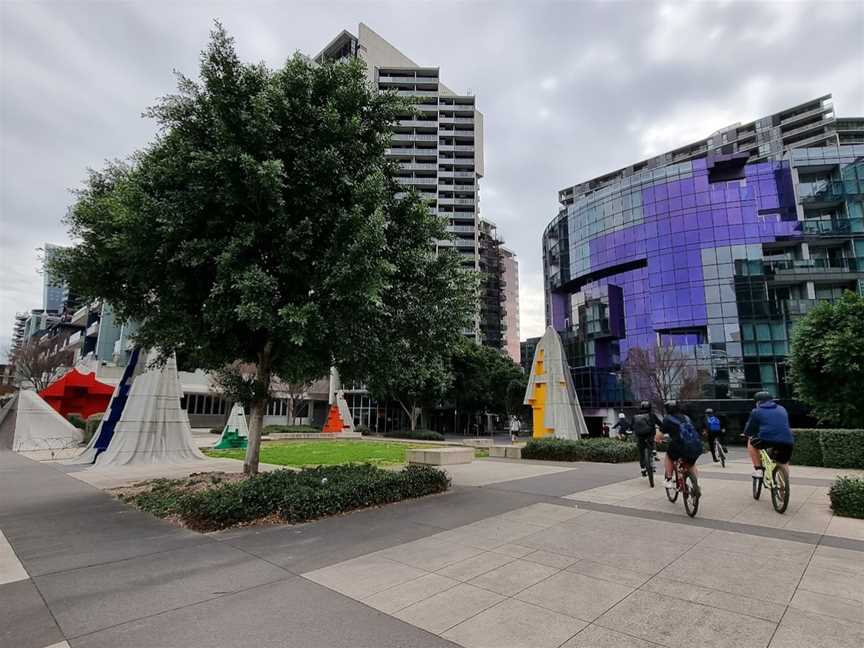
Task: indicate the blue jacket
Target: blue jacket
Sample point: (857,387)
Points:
(770,422)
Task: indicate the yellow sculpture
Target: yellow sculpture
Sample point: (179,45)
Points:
(551,394)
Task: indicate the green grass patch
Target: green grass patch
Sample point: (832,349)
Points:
(326,453)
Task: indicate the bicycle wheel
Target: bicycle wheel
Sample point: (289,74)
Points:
(691,494)
(757,487)
(718,448)
(780,491)
(672,493)
(648,460)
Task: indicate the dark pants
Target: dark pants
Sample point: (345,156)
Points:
(711,437)
(643,442)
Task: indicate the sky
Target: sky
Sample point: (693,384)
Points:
(569,91)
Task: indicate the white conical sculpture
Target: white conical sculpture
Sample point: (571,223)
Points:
(236,423)
(344,411)
(153,428)
(551,394)
(28,423)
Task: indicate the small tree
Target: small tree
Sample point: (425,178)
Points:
(39,364)
(427,304)
(826,363)
(661,373)
(254,228)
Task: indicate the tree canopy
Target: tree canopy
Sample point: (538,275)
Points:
(258,226)
(482,380)
(826,362)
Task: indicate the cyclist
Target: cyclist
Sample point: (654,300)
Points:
(644,425)
(622,425)
(684,442)
(713,429)
(768,427)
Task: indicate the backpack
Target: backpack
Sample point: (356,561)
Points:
(642,425)
(713,424)
(691,442)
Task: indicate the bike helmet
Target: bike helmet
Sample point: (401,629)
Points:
(763,397)
(709,411)
(621,415)
(672,407)
(645,406)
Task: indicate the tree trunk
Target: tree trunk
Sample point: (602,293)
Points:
(413,416)
(259,406)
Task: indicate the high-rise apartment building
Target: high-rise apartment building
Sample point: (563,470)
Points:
(52,288)
(510,275)
(439,150)
(715,248)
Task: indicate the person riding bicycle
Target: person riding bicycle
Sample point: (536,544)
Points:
(644,425)
(713,429)
(684,441)
(768,427)
(623,426)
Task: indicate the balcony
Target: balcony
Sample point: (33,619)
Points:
(416,181)
(461,229)
(93,329)
(457,201)
(456,147)
(799,267)
(419,123)
(417,93)
(833,226)
(414,137)
(804,115)
(417,166)
(74,340)
(406,152)
(455,120)
(456,174)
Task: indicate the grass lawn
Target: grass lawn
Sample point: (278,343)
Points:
(326,453)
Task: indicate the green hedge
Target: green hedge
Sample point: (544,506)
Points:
(295,496)
(289,429)
(415,435)
(599,450)
(77,420)
(847,497)
(829,448)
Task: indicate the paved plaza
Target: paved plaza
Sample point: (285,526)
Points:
(526,554)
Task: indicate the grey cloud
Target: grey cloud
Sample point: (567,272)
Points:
(75,78)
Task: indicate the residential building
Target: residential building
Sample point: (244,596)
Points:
(439,150)
(511,302)
(715,249)
(53,289)
(526,351)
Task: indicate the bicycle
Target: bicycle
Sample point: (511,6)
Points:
(776,477)
(685,483)
(719,452)
(648,463)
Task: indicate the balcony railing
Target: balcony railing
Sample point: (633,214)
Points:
(832,226)
(416,181)
(413,137)
(805,266)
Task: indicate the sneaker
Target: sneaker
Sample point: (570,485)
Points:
(668,483)
(656,458)
(758,473)
(644,473)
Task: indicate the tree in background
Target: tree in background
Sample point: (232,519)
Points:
(427,303)
(254,228)
(826,362)
(482,379)
(39,365)
(661,373)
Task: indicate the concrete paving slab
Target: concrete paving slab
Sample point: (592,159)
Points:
(483,473)
(25,621)
(830,582)
(429,554)
(828,605)
(649,616)
(92,598)
(11,569)
(543,514)
(759,608)
(550,558)
(473,567)
(295,613)
(401,596)
(362,577)
(573,478)
(838,559)
(513,577)
(608,573)
(442,611)
(575,595)
(800,629)
(752,576)
(513,550)
(515,624)
(594,636)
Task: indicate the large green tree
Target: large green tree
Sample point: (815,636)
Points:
(826,362)
(256,227)
(427,303)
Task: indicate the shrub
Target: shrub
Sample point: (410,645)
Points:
(77,420)
(415,435)
(829,448)
(842,448)
(600,450)
(847,497)
(808,448)
(91,426)
(289,429)
(295,496)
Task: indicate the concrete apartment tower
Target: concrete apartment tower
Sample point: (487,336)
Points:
(439,150)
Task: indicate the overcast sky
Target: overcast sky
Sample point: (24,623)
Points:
(570,90)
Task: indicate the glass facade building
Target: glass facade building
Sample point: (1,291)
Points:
(717,256)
